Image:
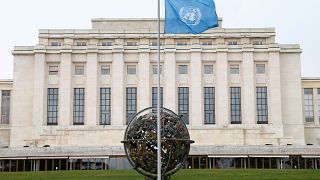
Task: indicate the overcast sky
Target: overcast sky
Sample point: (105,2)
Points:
(296,21)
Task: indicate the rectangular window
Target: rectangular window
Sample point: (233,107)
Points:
(234,69)
(257,42)
(155,69)
(182,43)
(56,43)
(260,69)
(53,70)
(78,106)
(131,70)
(262,105)
(308,105)
(155,43)
(105,106)
(155,95)
(235,105)
(132,43)
(5,107)
(183,69)
(183,103)
(79,70)
(209,105)
(52,106)
(206,43)
(81,43)
(208,69)
(108,43)
(105,70)
(232,43)
(131,103)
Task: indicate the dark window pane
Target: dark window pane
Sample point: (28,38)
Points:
(52,106)
(105,104)
(78,106)
(183,95)
(131,103)
(209,105)
(262,105)
(235,105)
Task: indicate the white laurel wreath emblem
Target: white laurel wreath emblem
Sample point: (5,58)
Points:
(190,15)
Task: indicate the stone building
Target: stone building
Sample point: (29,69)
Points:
(239,91)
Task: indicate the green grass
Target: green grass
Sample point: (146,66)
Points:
(181,175)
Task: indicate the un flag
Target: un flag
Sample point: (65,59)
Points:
(190,16)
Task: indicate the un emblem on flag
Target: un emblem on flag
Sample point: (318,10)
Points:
(190,15)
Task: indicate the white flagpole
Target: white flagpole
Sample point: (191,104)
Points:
(158,103)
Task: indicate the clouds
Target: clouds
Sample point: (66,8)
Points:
(296,21)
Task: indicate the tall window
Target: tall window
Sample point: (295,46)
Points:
(209,105)
(105,106)
(208,69)
(262,105)
(183,103)
(234,69)
(308,105)
(155,95)
(183,69)
(105,70)
(260,69)
(78,106)
(52,106)
(319,103)
(131,103)
(235,105)
(5,107)
(79,70)
(155,69)
(131,70)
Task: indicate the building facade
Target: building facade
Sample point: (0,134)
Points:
(240,93)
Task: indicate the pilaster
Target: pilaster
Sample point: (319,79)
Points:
(65,90)
(92,105)
(170,88)
(144,88)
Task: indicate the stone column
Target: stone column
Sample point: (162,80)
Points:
(65,89)
(1,105)
(274,87)
(39,91)
(196,96)
(170,88)
(118,90)
(248,81)
(92,89)
(144,88)
(222,89)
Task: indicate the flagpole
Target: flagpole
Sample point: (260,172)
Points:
(158,102)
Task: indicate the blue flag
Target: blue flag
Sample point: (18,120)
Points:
(190,16)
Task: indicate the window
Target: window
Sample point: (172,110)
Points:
(232,43)
(105,70)
(78,106)
(56,43)
(79,70)
(131,70)
(155,43)
(234,69)
(155,69)
(132,43)
(235,105)
(208,69)
(262,105)
(182,43)
(183,69)
(183,103)
(53,70)
(108,43)
(206,43)
(257,42)
(308,105)
(154,97)
(81,43)
(319,103)
(260,69)
(105,106)
(209,105)
(5,107)
(52,106)
(131,103)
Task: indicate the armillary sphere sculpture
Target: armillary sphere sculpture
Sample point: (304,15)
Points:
(140,142)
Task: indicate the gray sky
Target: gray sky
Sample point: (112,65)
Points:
(296,21)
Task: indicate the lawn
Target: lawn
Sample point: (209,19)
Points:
(181,175)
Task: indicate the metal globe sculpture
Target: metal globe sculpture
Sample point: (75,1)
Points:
(140,142)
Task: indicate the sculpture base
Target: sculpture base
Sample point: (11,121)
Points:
(154,178)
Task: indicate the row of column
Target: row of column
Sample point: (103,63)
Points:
(169,84)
